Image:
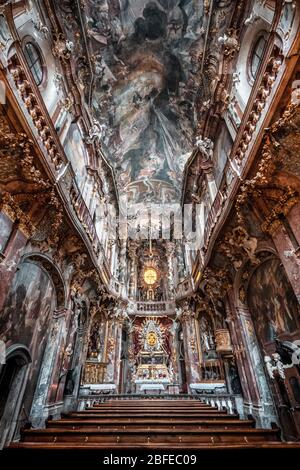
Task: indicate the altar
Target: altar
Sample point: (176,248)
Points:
(152,388)
(153,372)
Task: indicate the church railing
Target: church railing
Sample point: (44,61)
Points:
(233,404)
(86,220)
(213,216)
(155,307)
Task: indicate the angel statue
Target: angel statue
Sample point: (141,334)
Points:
(206,147)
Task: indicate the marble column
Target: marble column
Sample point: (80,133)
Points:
(174,355)
(114,345)
(242,361)
(132,251)
(47,385)
(187,319)
(122,261)
(63,360)
(170,251)
(258,400)
(112,249)
(80,335)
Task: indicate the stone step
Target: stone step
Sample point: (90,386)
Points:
(144,415)
(125,427)
(89,447)
(144,426)
(129,436)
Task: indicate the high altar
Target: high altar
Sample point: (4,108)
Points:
(150,345)
(153,365)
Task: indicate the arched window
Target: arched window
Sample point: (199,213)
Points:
(257,55)
(34,61)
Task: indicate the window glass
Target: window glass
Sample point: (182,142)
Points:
(34,61)
(257,55)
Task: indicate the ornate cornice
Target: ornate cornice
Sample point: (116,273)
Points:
(267,83)
(271,160)
(216,282)
(41,120)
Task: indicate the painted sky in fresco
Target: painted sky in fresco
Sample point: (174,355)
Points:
(147,56)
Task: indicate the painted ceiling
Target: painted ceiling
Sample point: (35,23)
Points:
(148,63)
(145,57)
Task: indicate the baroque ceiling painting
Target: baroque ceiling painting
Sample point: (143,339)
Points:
(147,57)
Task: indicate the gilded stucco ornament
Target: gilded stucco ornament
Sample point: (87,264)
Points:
(216,282)
(15,213)
(236,244)
(230,44)
(223,341)
(62,47)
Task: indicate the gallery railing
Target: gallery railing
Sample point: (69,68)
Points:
(213,216)
(155,307)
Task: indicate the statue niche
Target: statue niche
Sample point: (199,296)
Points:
(207,337)
(212,373)
(95,365)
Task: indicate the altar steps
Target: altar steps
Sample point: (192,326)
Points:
(156,435)
(156,407)
(152,403)
(127,417)
(219,421)
(146,424)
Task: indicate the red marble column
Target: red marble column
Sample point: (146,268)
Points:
(63,356)
(258,399)
(114,343)
(190,348)
(240,344)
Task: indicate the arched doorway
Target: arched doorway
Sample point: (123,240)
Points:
(13,379)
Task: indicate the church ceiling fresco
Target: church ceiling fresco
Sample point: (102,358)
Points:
(145,59)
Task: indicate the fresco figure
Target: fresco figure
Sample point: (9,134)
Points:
(272,301)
